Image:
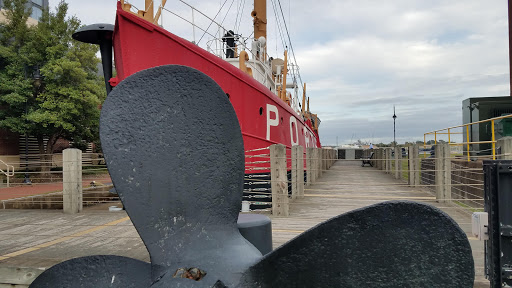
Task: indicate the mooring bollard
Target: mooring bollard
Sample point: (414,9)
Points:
(279,185)
(443,172)
(309,165)
(72,179)
(297,172)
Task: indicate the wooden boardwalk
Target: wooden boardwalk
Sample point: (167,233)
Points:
(33,239)
(348,186)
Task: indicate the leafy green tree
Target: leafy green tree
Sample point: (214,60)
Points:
(65,104)
(15,88)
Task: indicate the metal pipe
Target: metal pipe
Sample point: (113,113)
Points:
(106,61)
(467,140)
(394,126)
(510,43)
(493,141)
(304,100)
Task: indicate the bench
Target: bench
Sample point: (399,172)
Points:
(367,160)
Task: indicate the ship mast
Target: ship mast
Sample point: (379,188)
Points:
(259,14)
(260,18)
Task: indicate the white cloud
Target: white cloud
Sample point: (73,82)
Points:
(360,58)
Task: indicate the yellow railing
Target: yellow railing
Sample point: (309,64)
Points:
(468,142)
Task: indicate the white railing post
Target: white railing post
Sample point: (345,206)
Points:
(280,202)
(72,178)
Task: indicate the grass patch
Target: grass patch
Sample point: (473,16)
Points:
(467,207)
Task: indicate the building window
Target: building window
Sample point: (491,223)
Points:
(38,2)
(36,13)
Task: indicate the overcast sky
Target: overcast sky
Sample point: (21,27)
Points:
(359,58)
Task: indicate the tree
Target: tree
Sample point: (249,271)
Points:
(15,88)
(66,104)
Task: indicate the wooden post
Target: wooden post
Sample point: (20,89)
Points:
(447,166)
(417,164)
(380,158)
(319,162)
(390,160)
(505,144)
(412,165)
(387,163)
(309,165)
(72,178)
(400,162)
(295,171)
(314,164)
(396,161)
(298,166)
(279,186)
(443,172)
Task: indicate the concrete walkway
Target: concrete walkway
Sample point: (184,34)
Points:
(36,239)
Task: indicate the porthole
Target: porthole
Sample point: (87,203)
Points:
(261,110)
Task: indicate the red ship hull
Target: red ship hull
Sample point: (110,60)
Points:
(264,118)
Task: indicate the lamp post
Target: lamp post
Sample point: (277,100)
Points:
(394,126)
(36,78)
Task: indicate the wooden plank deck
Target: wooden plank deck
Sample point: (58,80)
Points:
(35,239)
(347,186)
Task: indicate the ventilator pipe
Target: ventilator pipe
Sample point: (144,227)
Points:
(303,99)
(244,56)
(285,71)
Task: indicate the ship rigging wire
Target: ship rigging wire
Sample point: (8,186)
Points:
(224,19)
(210,22)
(290,41)
(279,26)
(239,20)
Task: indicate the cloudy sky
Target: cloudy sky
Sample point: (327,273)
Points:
(359,58)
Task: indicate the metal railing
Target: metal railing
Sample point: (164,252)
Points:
(9,172)
(216,45)
(467,142)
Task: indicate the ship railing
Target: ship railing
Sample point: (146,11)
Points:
(217,46)
(277,175)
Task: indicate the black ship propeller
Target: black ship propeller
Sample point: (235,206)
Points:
(174,150)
